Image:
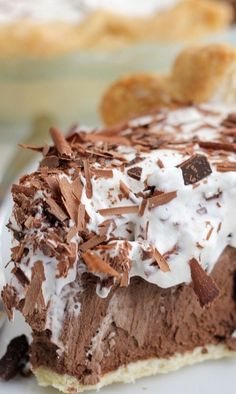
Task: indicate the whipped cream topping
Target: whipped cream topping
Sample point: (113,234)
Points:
(74,11)
(197,222)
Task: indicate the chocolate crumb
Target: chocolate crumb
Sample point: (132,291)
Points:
(15,358)
(60,142)
(135,173)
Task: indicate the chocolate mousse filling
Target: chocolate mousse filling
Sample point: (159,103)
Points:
(140,322)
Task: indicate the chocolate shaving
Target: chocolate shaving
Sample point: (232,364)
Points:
(15,358)
(135,173)
(119,210)
(92,242)
(142,207)
(203,284)
(230,121)
(9,298)
(60,142)
(81,217)
(34,288)
(125,279)
(98,137)
(53,184)
(127,193)
(77,188)
(17,252)
(89,189)
(56,210)
(161,261)
(226,166)
(70,203)
(50,162)
(20,275)
(228,147)
(104,226)
(219,227)
(161,199)
(97,265)
(102,173)
(195,169)
(27,191)
(32,147)
(209,233)
(160,163)
(71,233)
(125,190)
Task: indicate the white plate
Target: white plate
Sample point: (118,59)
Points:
(214,377)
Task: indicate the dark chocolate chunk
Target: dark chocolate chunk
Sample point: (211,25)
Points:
(195,169)
(203,285)
(15,358)
(135,173)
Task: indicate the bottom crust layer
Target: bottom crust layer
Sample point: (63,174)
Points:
(129,373)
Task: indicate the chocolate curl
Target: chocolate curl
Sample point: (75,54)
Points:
(226,146)
(60,142)
(204,286)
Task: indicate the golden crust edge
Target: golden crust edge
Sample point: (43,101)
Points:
(133,371)
(108,31)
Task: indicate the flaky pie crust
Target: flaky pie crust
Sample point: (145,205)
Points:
(199,74)
(129,373)
(189,19)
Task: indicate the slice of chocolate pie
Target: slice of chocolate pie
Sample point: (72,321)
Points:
(124,249)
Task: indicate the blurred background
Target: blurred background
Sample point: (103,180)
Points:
(57,57)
